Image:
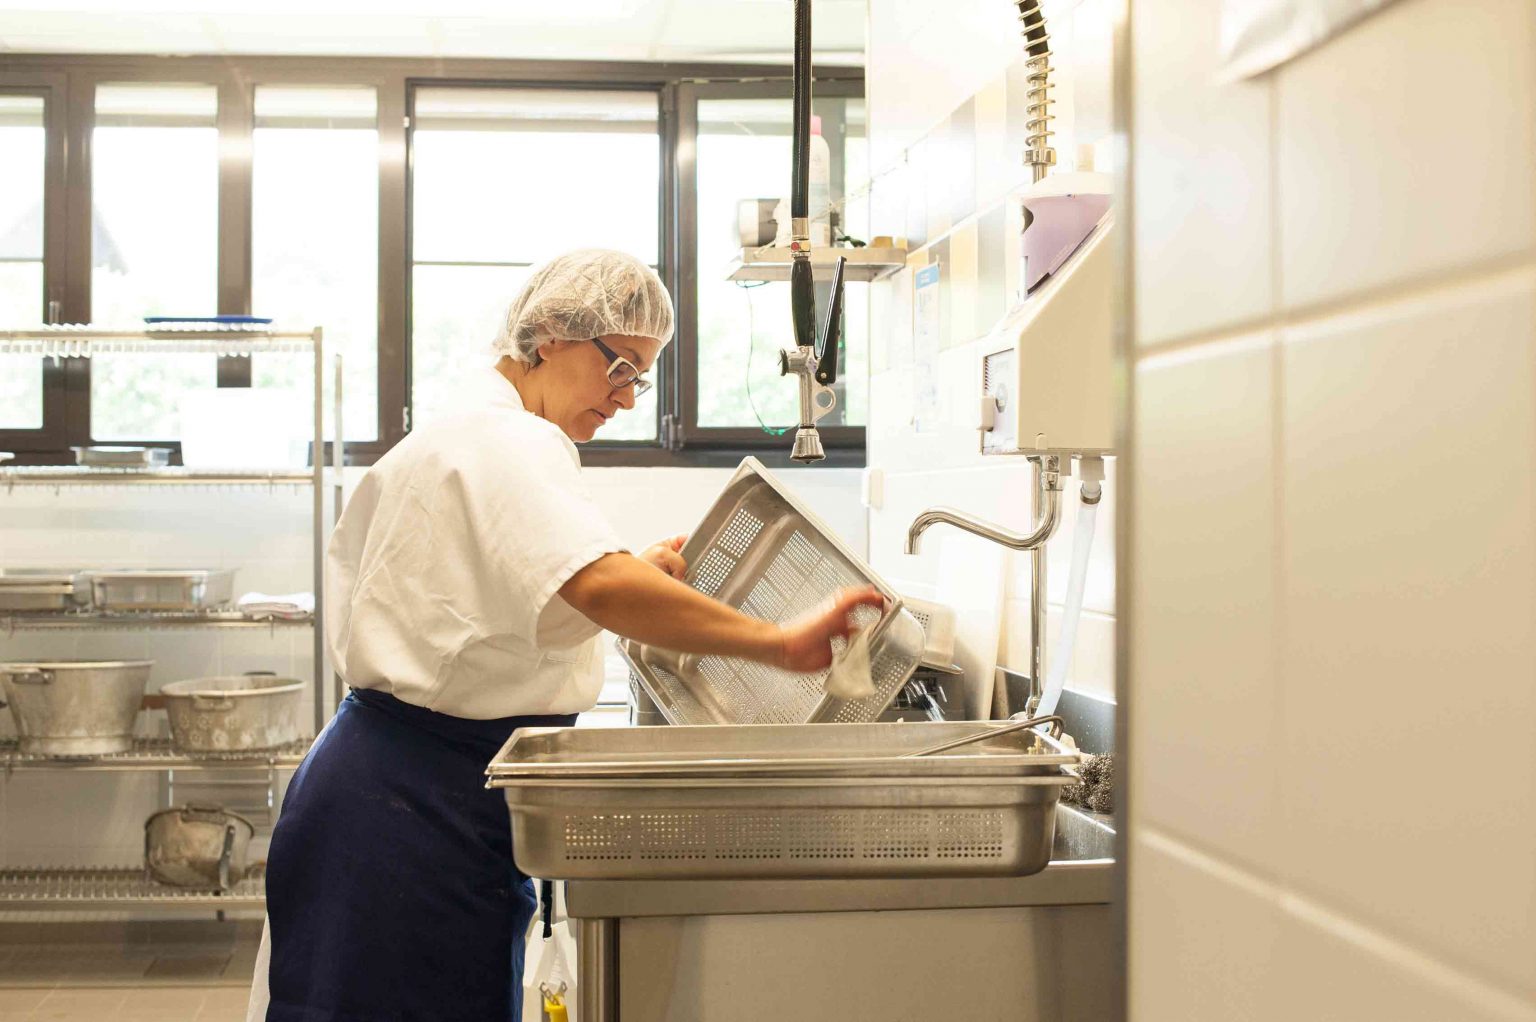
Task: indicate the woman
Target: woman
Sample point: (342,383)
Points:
(467,581)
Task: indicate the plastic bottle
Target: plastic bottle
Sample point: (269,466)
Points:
(820,193)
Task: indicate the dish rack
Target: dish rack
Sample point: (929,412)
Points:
(762,551)
(160,601)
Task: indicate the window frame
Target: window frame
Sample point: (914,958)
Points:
(33,444)
(68,84)
(833,438)
(666,249)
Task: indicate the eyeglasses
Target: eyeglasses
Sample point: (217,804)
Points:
(621,371)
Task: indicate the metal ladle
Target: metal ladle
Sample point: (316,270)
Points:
(981,736)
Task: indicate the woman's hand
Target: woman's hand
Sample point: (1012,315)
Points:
(667,556)
(807,640)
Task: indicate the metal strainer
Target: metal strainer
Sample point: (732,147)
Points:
(760,550)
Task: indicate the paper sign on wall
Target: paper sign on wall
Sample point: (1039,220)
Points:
(1259,35)
(925,348)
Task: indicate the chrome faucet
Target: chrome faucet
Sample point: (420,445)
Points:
(1047,517)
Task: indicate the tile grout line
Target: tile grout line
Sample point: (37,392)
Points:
(1493,995)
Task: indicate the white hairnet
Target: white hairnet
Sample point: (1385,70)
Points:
(591,292)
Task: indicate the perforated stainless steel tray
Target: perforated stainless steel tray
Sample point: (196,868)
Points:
(761,550)
(537,755)
(804,801)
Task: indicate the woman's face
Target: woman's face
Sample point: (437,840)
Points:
(577,395)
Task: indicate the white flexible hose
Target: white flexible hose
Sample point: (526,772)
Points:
(1066,641)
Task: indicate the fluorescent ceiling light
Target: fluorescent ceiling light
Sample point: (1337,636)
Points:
(531,11)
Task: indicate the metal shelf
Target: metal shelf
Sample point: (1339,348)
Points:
(151,754)
(78,341)
(95,889)
(772,263)
(27,621)
(73,475)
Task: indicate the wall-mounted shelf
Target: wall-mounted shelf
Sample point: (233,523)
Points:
(98,889)
(24,621)
(72,475)
(151,754)
(75,341)
(772,263)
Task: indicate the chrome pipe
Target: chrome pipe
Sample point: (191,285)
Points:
(1046,527)
(1047,513)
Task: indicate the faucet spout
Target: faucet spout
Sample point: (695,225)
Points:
(1050,517)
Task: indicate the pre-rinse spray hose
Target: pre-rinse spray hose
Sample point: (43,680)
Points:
(1066,642)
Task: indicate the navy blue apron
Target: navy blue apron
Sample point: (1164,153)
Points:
(391,890)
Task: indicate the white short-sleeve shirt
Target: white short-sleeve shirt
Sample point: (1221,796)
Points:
(441,578)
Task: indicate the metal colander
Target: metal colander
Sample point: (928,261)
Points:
(761,551)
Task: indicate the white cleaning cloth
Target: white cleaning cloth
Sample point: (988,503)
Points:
(262,605)
(850,678)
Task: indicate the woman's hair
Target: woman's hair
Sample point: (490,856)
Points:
(591,292)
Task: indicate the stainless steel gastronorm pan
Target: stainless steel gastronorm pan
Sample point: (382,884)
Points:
(40,589)
(844,750)
(122,457)
(161,589)
(761,550)
(841,804)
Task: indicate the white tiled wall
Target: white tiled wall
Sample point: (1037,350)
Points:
(932,67)
(1334,521)
(83,819)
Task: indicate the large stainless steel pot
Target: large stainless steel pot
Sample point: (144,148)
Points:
(72,708)
(234,715)
(197,846)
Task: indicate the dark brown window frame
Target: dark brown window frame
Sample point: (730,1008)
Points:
(68,84)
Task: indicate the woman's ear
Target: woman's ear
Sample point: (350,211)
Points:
(549,347)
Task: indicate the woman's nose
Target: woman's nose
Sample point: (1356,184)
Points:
(624,397)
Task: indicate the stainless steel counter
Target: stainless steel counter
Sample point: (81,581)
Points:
(1017,948)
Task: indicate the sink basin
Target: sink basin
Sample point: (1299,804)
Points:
(1081,836)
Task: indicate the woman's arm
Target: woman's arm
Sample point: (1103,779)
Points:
(630,597)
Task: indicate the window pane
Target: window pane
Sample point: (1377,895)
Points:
(744,153)
(154,245)
(504,179)
(22,140)
(456,312)
(521,175)
(315,238)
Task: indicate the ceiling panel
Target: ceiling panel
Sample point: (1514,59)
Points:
(575,29)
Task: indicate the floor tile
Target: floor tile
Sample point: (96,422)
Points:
(15,999)
(80,1004)
(207,966)
(168,1005)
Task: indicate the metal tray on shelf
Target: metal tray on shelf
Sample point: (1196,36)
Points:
(762,551)
(122,457)
(137,590)
(42,589)
(813,800)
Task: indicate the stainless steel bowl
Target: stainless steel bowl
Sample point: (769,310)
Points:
(233,716)
(201,846)
(74,708)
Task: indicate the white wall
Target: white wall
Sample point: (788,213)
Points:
(946,101)
(1335,522)
(59,819)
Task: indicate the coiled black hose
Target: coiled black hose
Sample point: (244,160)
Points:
(800,182)
(1036,41)
(802,290)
